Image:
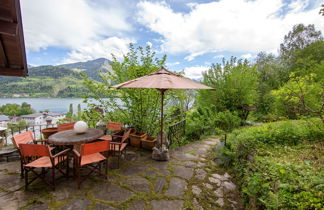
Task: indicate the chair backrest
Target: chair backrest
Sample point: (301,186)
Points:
(23,138)
(115,126)
(126,135)
(34,150)
(65,126)
(91,148)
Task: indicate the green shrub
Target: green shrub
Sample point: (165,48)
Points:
(199,122)
(278,165)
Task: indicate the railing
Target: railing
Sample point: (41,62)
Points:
(5,136)
(36,129)
(177,132)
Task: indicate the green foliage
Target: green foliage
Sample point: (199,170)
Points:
(227,121)
(17,126)
(135,107)
(50,81)
(16,109)
(274,165)
(202,122)
(300,96)
(73,117)
(235,82)
(300,37)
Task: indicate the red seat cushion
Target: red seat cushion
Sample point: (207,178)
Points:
(106,137)
(43,162)
(92,158)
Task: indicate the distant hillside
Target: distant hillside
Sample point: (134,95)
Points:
(53,81)
(90,68)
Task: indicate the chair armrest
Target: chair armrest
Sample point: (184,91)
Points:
(76,153)
(116,137)
(61,153)
(45,141)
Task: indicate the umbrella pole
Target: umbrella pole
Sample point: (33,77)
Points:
(162,99)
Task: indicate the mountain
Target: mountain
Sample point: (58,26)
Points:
(90,68)
(53,81)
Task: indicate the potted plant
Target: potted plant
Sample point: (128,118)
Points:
(136,137)
(47,132)
(148,142)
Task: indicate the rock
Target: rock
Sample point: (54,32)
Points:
(219,192)
(215,181)
(160,154)
(217,176)
(79,202)
(139,184)
(133,169)
(196,190)
(101,206)
(208,186)
(159,184)
(189,164)
(229,186)
(137,205)
(111,192)
(196,204)
(167,204)
(227,176)
(233,202)
(201,164)
(220,202)
(177,187)
(183,172)
(201,174)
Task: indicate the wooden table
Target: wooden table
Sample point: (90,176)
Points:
(70,137)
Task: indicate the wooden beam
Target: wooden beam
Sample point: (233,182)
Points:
(18,19)
(3,56)
(12,72)
(8,28)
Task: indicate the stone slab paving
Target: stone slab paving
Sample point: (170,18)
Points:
(190,180)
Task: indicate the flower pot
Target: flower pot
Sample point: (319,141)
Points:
(148,142)
(47,132)
(135,139)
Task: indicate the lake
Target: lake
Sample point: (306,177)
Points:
(59,105)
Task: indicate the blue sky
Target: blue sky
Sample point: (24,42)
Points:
(193,34)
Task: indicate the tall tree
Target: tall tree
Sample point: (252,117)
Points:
(136,107)
(235,82)
(300,37)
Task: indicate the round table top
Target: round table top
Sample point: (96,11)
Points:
(70,137)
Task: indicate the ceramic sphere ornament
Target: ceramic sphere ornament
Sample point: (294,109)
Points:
(80,127)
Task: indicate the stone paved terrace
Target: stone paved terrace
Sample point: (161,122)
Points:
(190,180)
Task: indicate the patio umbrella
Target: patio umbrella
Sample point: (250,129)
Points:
(162,80)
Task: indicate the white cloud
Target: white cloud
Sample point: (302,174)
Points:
(195,72)
(172,64)
(149,44)
(247,56)
(71,24)
(227,25)
(100,49)
(219,56)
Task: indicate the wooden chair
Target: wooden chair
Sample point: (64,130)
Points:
(118,144)
(90,157)
(40,157)
(65,126)
(115,127)
(24,138)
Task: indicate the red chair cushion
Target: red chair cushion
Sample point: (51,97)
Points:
(92,158)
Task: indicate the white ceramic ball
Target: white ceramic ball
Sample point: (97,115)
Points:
(80,127)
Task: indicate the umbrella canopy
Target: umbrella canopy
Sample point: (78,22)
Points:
(162,80)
